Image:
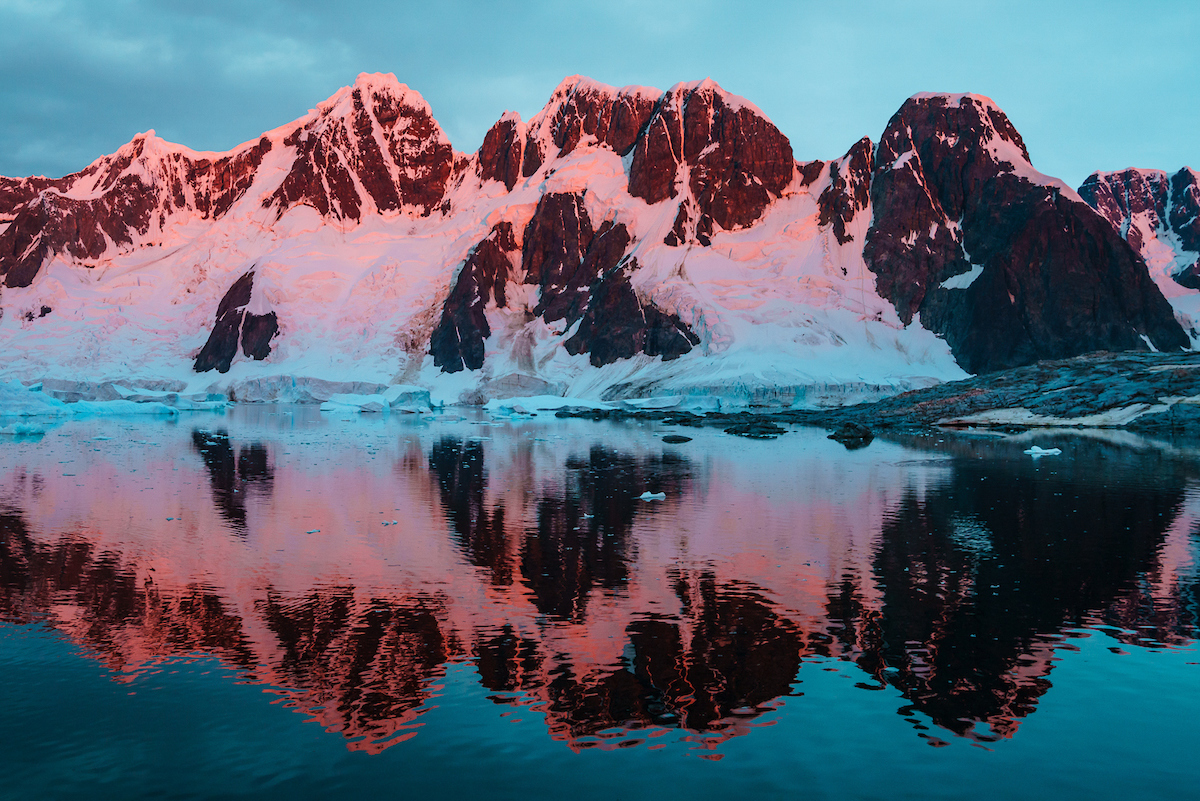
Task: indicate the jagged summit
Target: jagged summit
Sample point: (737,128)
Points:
(1158,214)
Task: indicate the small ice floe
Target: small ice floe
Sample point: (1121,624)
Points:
(314,531)
(22,430)
(1038,453)
(652,496)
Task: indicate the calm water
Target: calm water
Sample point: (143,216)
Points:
(276,603)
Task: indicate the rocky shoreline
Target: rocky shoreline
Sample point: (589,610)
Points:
(1153,393)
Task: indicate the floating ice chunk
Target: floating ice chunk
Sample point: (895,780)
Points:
(652,496)
(21,429)
(313,531)
(121,407)
(1038,453)
(405,395)
(17,400)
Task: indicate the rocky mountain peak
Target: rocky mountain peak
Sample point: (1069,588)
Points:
(373,146)
(849,189)
(718,147)
(967,120)
(120,200)
(1157,214)
(960,232)
(580,110)
(1120,196)
(992,254)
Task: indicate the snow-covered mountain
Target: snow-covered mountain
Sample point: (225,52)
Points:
(623,242)
(1159,215)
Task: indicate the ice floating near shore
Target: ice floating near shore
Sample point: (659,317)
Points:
(652,496)
(21,430)
(1038,453)
(47,400)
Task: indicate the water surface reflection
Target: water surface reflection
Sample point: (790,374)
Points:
(350,564)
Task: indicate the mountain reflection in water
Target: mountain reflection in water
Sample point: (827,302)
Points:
(530,556)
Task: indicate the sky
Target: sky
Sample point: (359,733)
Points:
(1090,85)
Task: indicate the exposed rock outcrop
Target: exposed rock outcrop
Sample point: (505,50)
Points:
(619,325)
(499,157)
(737,160)
(849,189)
(1006,264)
(117,201)
(1157,214)
(582,276)
(457,342)
(234,324)
(377,137)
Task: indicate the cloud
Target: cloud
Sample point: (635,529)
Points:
(1089,85)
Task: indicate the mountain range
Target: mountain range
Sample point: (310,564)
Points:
(621,243)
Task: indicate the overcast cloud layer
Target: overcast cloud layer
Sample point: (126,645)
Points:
(1090,85)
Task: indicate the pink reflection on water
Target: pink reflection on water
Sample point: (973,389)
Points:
(349,565)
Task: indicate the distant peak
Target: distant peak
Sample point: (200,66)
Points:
(374,81)
(704,85)
(1128,172)
(709,87)
(375,85)
(581,84)
(572,83)
(955,99)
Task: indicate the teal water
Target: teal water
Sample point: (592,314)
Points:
(911,620)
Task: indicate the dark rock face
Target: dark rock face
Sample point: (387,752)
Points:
(457,342)
(125,195)
(608,116)
(500,155)
(412,168)
(1143,205)
(582,275)
(233,323)
(563,255)
(849,189)
(1122,195)
(1056,280)
(618,325)
(1184,215)
(257,332)
(16,192)
(579,109)
(739,161)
